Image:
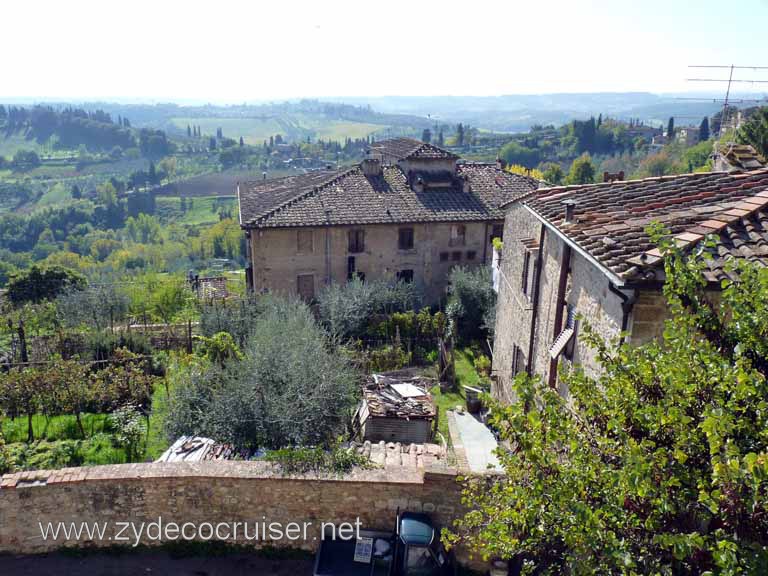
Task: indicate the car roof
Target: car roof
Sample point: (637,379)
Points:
(416,529)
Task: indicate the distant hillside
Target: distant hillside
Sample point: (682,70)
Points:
(517,113)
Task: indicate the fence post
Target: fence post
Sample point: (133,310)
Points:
(23,342)
(189,336)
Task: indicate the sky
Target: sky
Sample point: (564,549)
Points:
(231,51)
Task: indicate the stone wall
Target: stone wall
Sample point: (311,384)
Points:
(214,492)
(277,263)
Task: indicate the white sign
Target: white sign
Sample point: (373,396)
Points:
(364,550)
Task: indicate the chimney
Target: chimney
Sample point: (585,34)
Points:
(613,176)
(263,175)
(501,163)
(371,167)
(570,211)
(466,186)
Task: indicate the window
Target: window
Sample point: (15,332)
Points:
(405,239)
(304,243)
(529,267)
(564,343)
(356,241)
(405,276)
(471,255)
(305,286)
(458,235)
(444,256)
(456,256)
(518,360)
(497,231)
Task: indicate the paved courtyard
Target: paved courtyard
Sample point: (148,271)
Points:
(473,441)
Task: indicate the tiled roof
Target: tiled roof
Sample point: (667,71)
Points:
(404,148)
(349,197)
(742,156)
(611,218)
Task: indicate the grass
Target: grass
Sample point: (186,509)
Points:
(445,401)
(157,443)
(204,210)
(53,427)
(466,375)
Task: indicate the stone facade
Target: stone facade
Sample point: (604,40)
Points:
(587,293)
(279,257)
(213,492)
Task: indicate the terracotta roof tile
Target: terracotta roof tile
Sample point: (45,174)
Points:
(689,205)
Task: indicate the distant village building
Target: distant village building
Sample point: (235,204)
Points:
(687,135)
(583,250)
(410,211)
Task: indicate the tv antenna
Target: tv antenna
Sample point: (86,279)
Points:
(729,83)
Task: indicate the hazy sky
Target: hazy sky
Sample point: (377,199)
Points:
(236,51)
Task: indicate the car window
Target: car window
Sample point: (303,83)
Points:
(420,561)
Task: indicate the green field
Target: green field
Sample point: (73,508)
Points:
(200,210)
(296,127)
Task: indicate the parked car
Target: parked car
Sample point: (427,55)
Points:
(413,549)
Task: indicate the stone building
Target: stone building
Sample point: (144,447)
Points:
(583,251)
(409,211)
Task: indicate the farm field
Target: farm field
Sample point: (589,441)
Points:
(297,127)
(199,210)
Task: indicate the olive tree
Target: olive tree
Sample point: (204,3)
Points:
(290,388)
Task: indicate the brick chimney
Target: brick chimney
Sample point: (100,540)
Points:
(613,176)
(501,163)
(371,167)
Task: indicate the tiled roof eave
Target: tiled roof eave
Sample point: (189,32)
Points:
(615,278)
(490,217)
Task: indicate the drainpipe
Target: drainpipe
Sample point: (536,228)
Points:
(562,284)
(535,311)
(627,303)
(485,245)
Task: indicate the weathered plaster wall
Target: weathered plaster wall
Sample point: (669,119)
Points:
(277,263)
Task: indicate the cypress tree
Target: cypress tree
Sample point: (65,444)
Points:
(704,130)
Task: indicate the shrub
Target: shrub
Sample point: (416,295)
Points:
(483,365)
(129,428)
(38,284)
(300,460)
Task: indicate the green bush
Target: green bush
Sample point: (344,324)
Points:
(471,304)
(301,460)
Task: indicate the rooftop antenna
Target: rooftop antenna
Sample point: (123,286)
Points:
(729,82)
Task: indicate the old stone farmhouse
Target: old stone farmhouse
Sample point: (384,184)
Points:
(583,250)
(409,211)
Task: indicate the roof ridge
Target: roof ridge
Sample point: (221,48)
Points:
(304,195)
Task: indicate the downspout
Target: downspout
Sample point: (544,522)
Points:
(562,284)
(627,303)
(535,304)
(485,245)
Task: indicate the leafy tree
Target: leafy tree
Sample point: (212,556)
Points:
(704,129)
(169,299)
(659,465)
(582,171)
(25,160)
(460,134)
(657,164)
(219,348)
(346,309)
(755,131)
(42,283)
(553,173)
(515,153)
(471,303)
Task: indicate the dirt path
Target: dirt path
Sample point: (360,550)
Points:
(152,563)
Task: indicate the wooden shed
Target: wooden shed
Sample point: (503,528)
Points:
(396,409)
